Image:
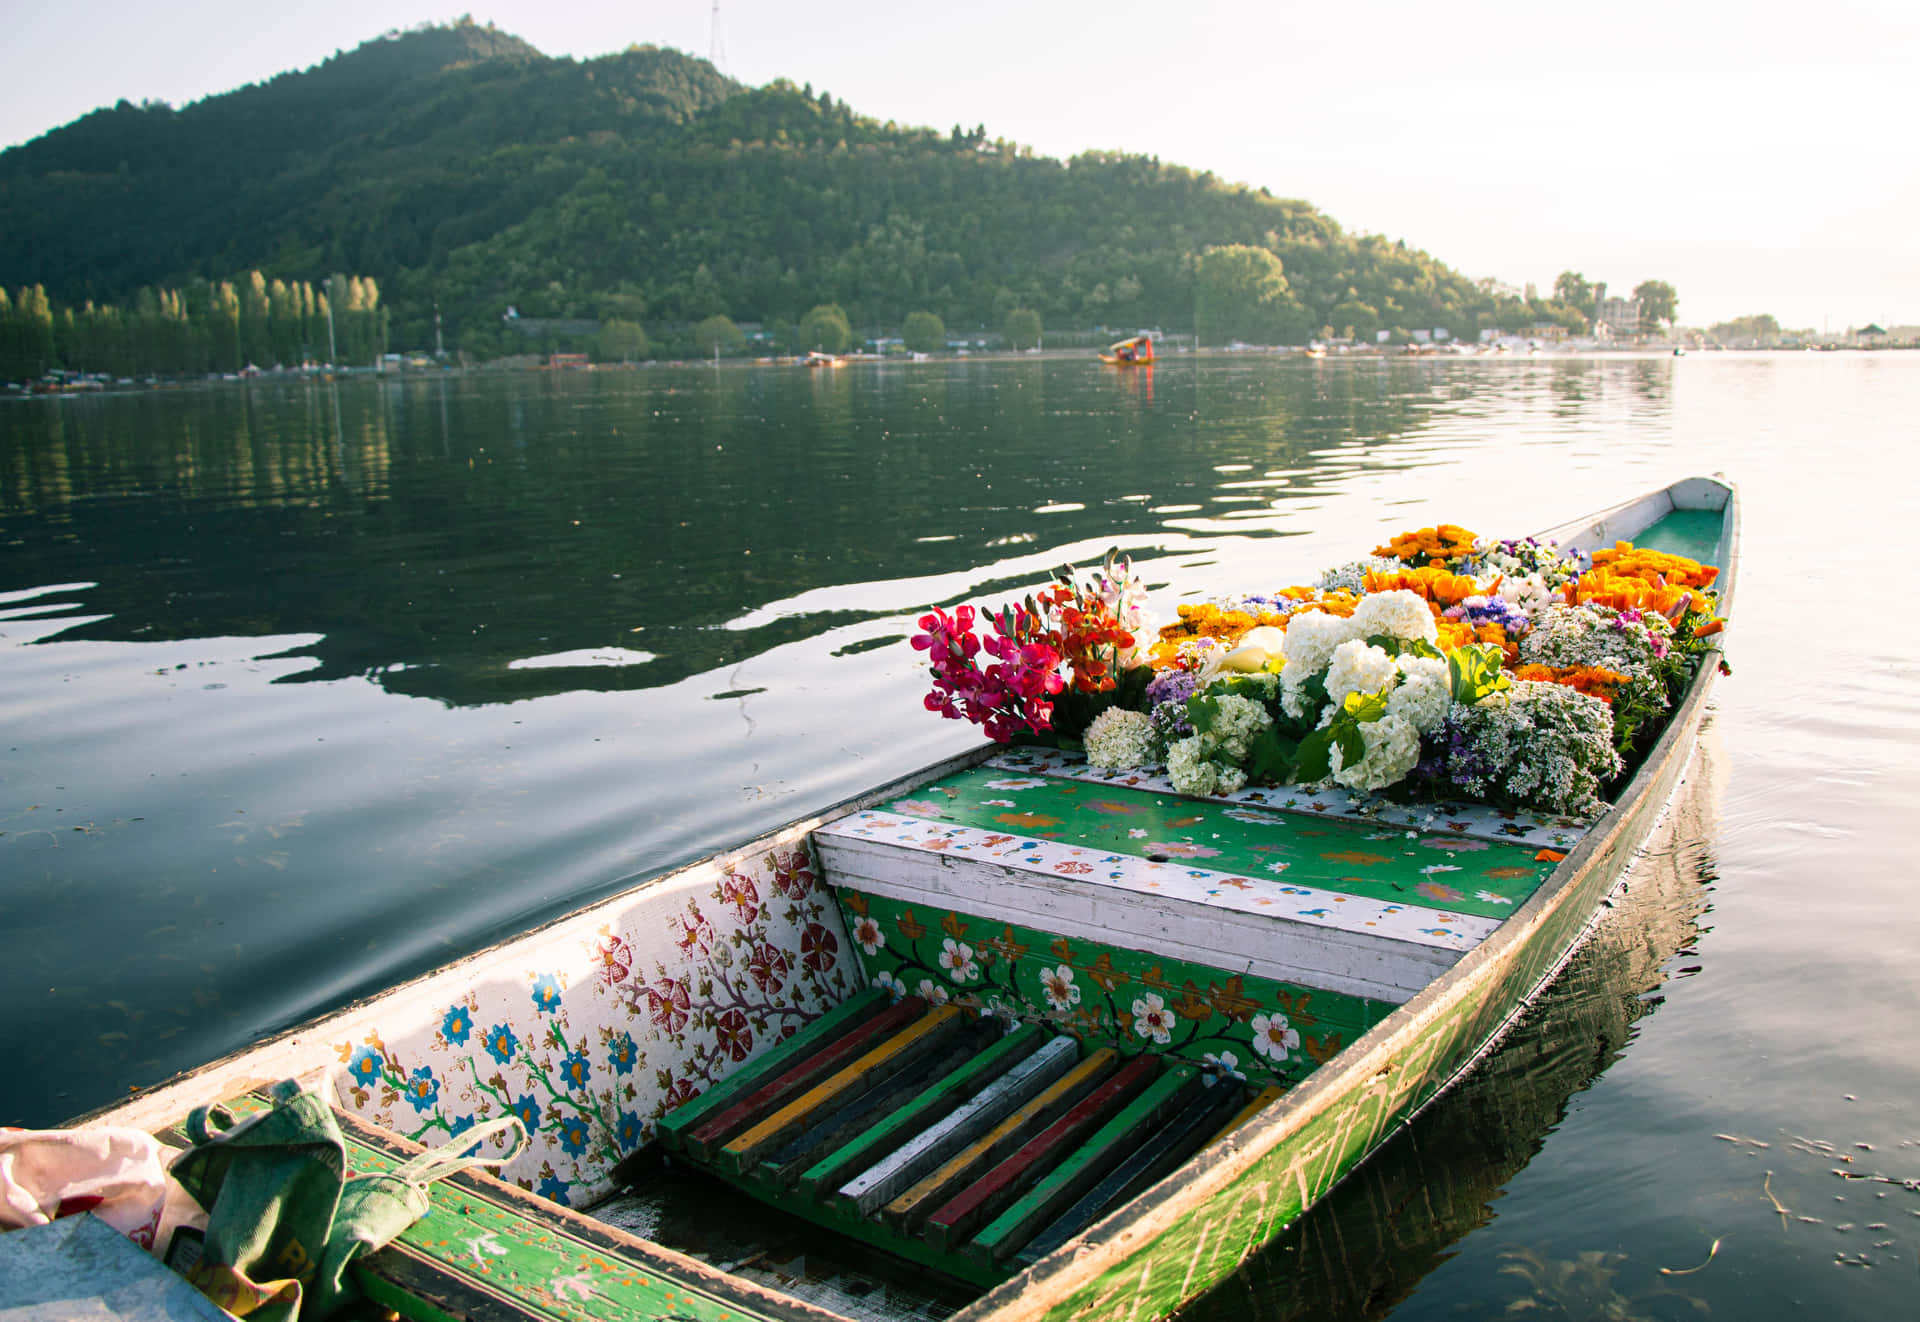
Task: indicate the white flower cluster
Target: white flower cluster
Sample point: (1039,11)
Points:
(1594,636)
(1205,764)
(1398,614)
(1193,772)
(1393,749)
(1310,640)
(1121,738)
(1358,667)
(1424,692)
(1540,746)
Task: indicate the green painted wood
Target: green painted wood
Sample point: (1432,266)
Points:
(956,1266)
(862,1115)
(488,1252)
(1426,871)
(1106,994)
(703,1140)
(935,1104)
(1692,533)
(1185,1134)
(1095,1157)
(671,1126)
(950,1224)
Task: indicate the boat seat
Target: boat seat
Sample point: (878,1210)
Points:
(951,1139)
(1252,885)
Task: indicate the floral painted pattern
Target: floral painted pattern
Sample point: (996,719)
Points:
(1253,1029)
(615,1018)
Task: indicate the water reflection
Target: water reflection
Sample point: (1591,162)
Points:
(440,535)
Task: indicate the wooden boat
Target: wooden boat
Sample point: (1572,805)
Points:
(1134,352)
(1010,1021)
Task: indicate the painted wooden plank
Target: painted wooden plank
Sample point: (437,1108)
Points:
(886,1058)
(911,1208)
(1249,1111)
(913,1159)
(706,1139)
(1228,854)
(949,1224)
(671,1126)
(1086,1164)
(1353,963)
(858,1116)
(488,1252)
(1172,1144)
(1476,821)
(933,1105)
(1396,909)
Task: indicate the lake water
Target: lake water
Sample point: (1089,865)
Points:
(306,688)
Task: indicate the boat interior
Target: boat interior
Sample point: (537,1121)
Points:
(886,1059)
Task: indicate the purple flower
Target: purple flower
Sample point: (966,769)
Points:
(1172,686)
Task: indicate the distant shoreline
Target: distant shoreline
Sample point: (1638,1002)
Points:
(98,386)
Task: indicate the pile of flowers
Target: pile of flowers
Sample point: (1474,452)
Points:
(1445,665)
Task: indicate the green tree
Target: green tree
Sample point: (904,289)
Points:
(1022,329)
(622,340)
(1240,292)
(825,328)
(1574,290)
(925,333)
(1658,302)
(718,336)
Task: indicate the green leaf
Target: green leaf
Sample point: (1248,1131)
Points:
(1475,672)
(1352,747)
(1392,646)
(1314,760)
(1362,707)
(1272,757)
(1201,711)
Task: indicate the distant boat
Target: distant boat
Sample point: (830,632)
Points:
(1135,352)
(1679,352)
(818,359)
(1316,351)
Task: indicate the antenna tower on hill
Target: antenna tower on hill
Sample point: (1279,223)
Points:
(716,48)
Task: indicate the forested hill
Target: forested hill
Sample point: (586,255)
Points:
(459,166)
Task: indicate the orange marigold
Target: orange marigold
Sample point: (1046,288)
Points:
(1446,542)
(1592,680)
(1439,586)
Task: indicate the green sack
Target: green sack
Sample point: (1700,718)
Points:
(283,1221)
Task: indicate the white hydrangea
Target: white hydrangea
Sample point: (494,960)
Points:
(1393,749)
(1358,667)
(1237,722)
(1311,638)
(1193,771)
(1120,738)
(1292,693)
(1423,694)
(1398,614)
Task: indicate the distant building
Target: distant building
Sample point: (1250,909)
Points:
(1614,318)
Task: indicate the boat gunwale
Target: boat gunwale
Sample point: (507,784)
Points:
(1110,1242)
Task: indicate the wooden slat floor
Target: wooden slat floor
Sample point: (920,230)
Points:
(964,1147)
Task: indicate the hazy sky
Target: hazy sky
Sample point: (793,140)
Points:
(1758,155)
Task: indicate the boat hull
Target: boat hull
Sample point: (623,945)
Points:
(1194,1229)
